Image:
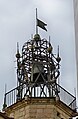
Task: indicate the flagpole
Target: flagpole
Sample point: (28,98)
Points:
(36,23)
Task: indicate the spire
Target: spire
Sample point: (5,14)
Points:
(17,47)
(58,57)
(18,54)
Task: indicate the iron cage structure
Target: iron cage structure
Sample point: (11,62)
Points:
(37,66)
(38,71)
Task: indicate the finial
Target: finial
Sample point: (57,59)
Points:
(58,51)
(58,58)
(50,48)
(18,54)
(49,39)
(37,37)
(17,47)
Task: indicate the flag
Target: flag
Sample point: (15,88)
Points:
(41,24)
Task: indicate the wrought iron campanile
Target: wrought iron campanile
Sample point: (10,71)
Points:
(37,68)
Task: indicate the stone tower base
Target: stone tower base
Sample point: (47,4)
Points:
(39,108)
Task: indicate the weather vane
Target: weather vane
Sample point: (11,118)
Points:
(40,23)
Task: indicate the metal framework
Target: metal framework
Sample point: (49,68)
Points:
(42,92)
(37,74)
(37,65)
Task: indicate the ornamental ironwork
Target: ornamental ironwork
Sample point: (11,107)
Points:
(37,64)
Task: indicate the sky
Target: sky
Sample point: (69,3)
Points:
(17,24)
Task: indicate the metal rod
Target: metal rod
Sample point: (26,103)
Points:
(49,40)
(36,23)
(58,51)
(17,47)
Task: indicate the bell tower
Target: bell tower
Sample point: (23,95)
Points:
(37,68)
(38,95)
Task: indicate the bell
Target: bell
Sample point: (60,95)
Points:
(37,73)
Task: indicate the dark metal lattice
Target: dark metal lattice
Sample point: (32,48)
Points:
(41,91)
(37,74)
(37,64)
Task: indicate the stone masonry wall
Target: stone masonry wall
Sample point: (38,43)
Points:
(37,109)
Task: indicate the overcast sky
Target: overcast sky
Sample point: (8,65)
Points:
(17,23)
